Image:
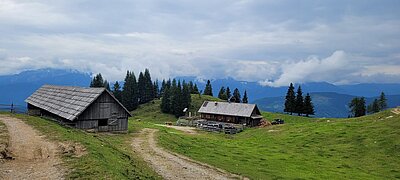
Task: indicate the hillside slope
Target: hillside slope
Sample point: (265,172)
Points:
(303,148)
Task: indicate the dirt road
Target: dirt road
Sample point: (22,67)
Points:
(174,166)
(34,156)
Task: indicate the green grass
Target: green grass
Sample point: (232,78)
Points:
(109,156)
(4,138)
(303,148)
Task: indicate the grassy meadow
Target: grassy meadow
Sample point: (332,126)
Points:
(303,148)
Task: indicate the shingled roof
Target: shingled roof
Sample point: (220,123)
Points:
(226,108)
(65,101)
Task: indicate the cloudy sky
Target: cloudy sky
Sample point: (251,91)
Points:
(268,41)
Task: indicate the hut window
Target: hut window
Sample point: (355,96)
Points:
(103,122)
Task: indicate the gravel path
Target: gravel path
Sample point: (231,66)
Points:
(34,157)
(174,166)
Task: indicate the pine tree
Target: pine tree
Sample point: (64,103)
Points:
(97,81)
(382,102)
(290,100)
(308,105)
(163,84)
(148,86)
(208,89)
(245,99)
(195,89)
(106,85)
(222,93)
(141,88)
(166,98)
(228,93)
(374,107)
(156,90)
(236,96)
(130,92)
(299,107)
(357,106)
(187,99)
(117,91)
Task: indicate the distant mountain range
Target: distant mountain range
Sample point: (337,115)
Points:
(16,88)
(327,104)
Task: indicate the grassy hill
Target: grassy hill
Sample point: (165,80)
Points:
(303,148)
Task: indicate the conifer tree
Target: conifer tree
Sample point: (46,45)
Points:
(245,99)
(290,100)
(236,96)
(357,106)
(186,95)
(163,84)
(130,92)
(97,81)
(299,108)
(106,85)
(374,107)
(228,93)
(308,106)
(382,102)
(156,90)
(148,86)
(166,98)
(195,89)
(141,88)
(117,91)
(208,89)
(222,93)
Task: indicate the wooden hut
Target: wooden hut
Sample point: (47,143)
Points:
(238,113)
(83,108)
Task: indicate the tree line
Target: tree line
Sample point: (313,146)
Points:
(176,96)
(295,103)
(225,94)
(358,108)
(134,91)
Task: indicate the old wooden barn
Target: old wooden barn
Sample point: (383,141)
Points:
(238,113)
(83,108)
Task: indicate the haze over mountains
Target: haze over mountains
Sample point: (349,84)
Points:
(330,100)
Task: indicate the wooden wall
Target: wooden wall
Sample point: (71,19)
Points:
(104,108)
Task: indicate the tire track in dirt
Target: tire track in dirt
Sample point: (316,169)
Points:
(174,166)
(34,156)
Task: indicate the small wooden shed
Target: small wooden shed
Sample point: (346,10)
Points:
(83,108)
(238,113)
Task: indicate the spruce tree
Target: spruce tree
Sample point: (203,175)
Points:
(299,108)
(141,88)
(222,93)
(130,92)
(117,91)
(97,81)
(156,90)
(236,96)
(208,89)
(166,98)
(187,99)
(357,106)
(148,86)
(382,102)
(195,89)
(374,107)
(228,93)
(245,99)
(290,100)
(106,85)
(308,105)
(163,84)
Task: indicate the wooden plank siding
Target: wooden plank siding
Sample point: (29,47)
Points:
(104,108)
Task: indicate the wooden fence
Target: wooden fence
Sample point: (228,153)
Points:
(13,108)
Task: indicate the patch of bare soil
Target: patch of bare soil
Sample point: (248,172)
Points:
(72,149)
(33,156)
(185,129)
(173,166)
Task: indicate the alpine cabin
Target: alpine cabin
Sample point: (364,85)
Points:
(237,113)
(84,108)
